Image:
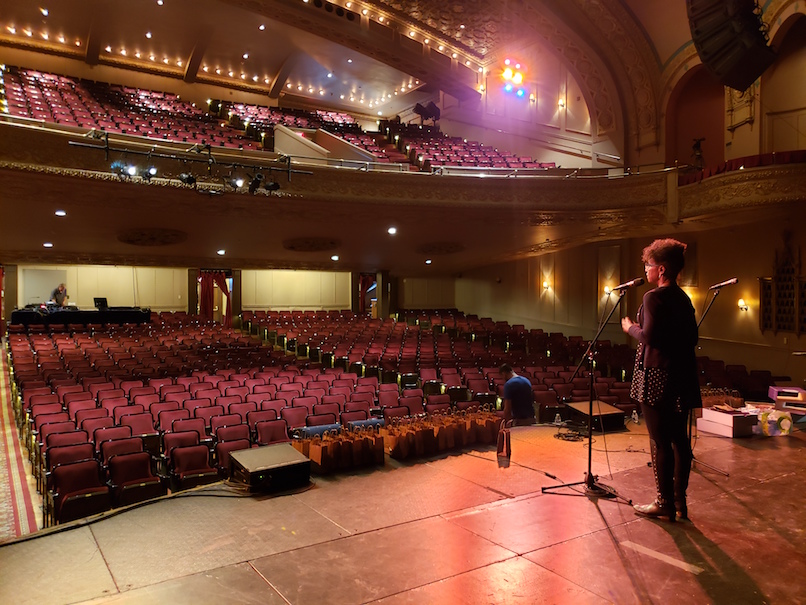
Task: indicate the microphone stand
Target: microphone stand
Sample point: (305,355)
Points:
(694,459)
(592,486)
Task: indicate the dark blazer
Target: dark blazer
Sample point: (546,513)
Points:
(668,330)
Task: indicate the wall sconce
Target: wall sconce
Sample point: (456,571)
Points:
(742,305)
(546,284)
(607,290)
(532,97)
(561,103)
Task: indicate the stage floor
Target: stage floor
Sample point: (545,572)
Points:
(450,529)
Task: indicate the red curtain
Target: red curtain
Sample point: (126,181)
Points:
(365,280)
(206,295)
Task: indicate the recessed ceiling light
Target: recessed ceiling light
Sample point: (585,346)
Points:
(330,75)
(428,261)
(60,213)
(47,245)
(380,113)
(341,96)
(45,12)
(349,60)
(392,230)
(78,42)
(246,55)
(159,2)
(221,252)
(262,27)
(334,258)
(461,27)
(148,35)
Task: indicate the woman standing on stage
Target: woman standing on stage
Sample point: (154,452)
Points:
(665,380)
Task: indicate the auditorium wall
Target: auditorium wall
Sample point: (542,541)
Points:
(574,301)
(570,303)
(156,288)
(295,290)
(426,293)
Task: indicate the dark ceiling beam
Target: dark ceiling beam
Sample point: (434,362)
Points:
(281,78)
(92,45)
(197,54)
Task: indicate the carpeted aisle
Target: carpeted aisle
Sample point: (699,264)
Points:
(19,515)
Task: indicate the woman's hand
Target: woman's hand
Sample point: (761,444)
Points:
(626,324)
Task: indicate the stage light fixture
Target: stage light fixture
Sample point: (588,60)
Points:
(255,183)
(271,185)
(148,173)
(187,178)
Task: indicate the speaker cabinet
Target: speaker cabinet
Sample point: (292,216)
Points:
(730,39)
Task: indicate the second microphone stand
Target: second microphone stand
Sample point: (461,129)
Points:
(694,459)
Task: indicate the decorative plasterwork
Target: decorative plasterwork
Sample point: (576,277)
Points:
(586,66)
(476,24)
(632,62)
(743,189)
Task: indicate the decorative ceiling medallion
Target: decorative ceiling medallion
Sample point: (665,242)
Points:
(437,248)
(311,244)
(152,236)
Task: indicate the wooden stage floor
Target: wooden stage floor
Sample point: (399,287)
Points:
(453,529)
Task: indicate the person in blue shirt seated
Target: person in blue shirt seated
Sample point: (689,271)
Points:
(518,397)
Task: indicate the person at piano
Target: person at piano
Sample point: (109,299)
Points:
(59,295)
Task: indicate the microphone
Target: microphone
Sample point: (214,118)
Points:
(727,282)
(638,281)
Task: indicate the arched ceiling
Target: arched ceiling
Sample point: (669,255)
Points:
(373,52)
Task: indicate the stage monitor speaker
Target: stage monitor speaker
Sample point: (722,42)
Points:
(606,417)
(270,468)
(731,40)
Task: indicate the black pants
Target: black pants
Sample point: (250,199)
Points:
(671,451)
